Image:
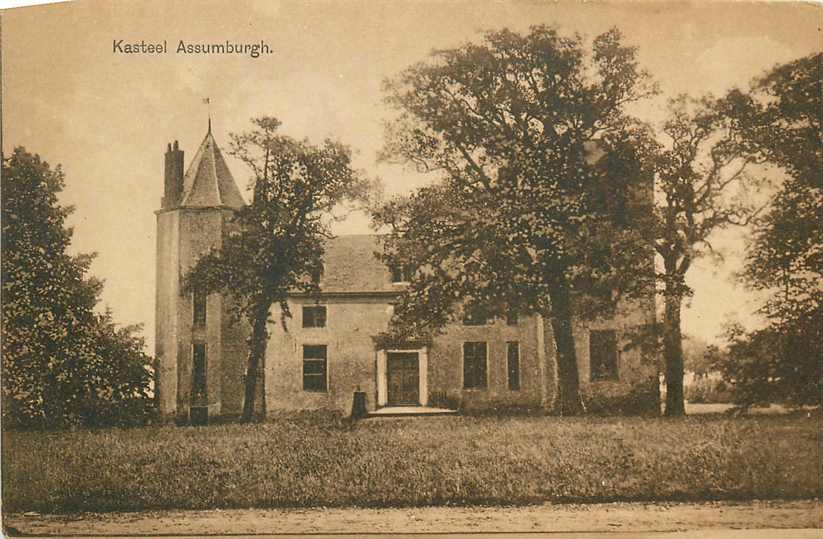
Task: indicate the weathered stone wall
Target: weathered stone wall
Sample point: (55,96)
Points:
(234,348)
(446,365)
(166,303)
(200,230)
(351,355)
(185,235)
(352,360)
(637,368)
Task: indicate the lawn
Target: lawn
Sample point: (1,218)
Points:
(412,462)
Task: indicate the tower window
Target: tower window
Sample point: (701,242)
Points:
(474,365)
(199,308)
(314,367)
(314,316)
(513,364)
(199,387)
(603,355)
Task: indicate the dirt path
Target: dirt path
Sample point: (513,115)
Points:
(633,517)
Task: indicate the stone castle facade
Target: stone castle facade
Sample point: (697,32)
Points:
(330,351)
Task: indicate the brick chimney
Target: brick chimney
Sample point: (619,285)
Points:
(174,177)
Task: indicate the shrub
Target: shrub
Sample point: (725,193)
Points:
(705,390)
(639,400)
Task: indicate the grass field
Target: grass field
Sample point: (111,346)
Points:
(412,462)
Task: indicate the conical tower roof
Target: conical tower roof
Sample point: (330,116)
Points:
(208,181)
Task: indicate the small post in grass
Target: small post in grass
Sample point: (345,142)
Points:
(358,407)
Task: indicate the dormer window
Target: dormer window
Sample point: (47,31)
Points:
(317,273)
(474,319)
(400,274)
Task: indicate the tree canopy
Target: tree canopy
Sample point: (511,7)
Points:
(704,182)
(63,363)
(536,178)
(782,116)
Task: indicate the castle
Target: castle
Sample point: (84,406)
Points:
(330,350)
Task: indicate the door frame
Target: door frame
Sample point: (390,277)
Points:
(381,361)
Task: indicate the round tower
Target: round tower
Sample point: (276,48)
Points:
(199,352)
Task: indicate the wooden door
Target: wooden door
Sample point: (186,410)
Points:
(403,379)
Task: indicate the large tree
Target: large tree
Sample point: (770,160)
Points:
(530,145)
(705,181)
(783,116)
(277,242)
(63,363)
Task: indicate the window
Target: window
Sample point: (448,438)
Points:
(512,319)
(199,390)
(317,273)
(314,367)
(199,308)
(513,364)
(400,274)
(474,319)
(474,365)
(603,355)
(314,316)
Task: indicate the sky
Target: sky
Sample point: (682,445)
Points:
(107,117)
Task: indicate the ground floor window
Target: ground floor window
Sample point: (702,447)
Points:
(314,367)
(474,365)
(603,355)
(513,364)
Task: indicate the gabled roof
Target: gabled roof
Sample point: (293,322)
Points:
(350,266)
(208,181)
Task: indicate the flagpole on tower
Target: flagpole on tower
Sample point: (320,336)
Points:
(207,102)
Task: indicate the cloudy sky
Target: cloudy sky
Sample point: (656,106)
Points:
(107,117)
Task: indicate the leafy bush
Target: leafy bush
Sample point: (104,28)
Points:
(776,364)
(705,390)
(640,400)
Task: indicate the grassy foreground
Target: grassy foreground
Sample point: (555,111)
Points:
(409,462)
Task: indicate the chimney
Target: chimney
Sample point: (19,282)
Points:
(173,177)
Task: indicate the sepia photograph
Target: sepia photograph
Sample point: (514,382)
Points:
(445,267)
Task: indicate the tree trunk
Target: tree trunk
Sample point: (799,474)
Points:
(673,352)
(257,350)
(568,401)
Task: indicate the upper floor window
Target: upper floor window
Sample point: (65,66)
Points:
(474,319)
(400,273)
(314,316)
(199,308)
(317,273)
(603,355)
(474,365)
